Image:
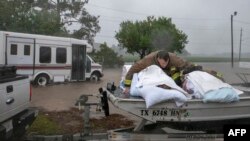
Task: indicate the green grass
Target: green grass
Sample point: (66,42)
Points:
(44,126)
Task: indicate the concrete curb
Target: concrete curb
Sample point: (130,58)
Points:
(70,137)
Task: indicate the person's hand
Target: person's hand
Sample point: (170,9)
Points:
(126,90)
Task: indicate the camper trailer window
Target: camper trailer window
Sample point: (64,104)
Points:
(45,54)
(61,54)
(13,49)
(27,50)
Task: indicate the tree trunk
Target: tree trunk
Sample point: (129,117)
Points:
(142,54)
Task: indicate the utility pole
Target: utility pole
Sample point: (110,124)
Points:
(232,42)
(240,44)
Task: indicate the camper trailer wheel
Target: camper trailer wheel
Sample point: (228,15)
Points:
(95,77)
(42,80)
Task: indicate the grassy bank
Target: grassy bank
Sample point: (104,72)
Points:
(71,122)
(44,126)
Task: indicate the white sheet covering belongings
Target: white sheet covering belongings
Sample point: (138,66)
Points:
(209,88)
(202,85)
(125,69)
(146,82)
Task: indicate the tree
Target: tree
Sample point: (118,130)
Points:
(23,16)
(74,12)
(145,36)
(107,56)
(48,17)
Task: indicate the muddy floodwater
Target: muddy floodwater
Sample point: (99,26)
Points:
(59,97)
(227,71)
(63,96)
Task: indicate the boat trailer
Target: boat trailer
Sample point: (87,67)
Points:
(165,121)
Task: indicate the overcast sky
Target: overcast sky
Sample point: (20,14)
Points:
(206,22)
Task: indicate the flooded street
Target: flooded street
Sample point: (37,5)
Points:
(229,73)
(63,96)
(59,97)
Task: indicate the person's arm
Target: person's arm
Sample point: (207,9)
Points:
(137,67)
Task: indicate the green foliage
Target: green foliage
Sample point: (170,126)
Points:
(107,57)
(48,17)
(152,34)
(129,58)
(44,126)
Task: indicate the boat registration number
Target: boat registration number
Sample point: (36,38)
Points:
(164,112)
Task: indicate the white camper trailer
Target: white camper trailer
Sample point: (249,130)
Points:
(48,58)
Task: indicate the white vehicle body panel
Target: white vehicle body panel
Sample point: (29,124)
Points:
(25,51)
(20,96)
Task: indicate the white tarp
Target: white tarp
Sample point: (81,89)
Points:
(125,69)
(205,82)
(145,85)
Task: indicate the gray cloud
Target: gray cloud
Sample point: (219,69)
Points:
(206,22)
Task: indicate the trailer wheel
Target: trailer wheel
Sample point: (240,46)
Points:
(95,77)
(42,80)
